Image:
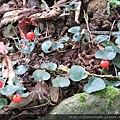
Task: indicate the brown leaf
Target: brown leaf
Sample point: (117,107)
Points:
(25,101)
(3,48)
(77,12)
(54,94)
(7,69)
(16,15)
(40,17)
(25,26)
(41,87)
(4,7)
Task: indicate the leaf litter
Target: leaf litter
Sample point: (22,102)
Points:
(26,17)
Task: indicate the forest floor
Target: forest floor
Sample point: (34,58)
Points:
(51,22)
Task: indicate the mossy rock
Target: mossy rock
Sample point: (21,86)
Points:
(106,101)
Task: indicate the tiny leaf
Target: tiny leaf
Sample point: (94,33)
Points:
(94,84)
(46,46)
(21,69)
(3,102)
(77,73)
(112,83)
(40,75)
(26,46)
(61,82)
(108,53)
(57,45)
(74,29)
(49,66)
(117,60)
(101,38)
(77,37)
(9,89)
(117,41)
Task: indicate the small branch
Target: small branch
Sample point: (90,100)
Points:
(87,25)
(110,34)
(104,76)
(105,32)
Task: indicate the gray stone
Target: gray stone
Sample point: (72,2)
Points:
(106,101)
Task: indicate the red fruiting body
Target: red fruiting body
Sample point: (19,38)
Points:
(1,84)
(30,35)
(104,63)
(17,98)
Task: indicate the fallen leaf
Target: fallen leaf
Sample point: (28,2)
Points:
(41,87)
(3,48)
(25,26)
(25,101)
(7,70)
(77,12)
(54,94)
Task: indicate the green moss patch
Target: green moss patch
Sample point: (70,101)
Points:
(82,99)
(109,93)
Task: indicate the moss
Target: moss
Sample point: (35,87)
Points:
(82,99)
(109,93)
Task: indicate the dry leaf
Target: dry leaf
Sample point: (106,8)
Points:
(39,17)
(54,94)
(7,70)
(77,12)
(41,87)
(4,7)
(100,47)
(3,48)
(25,26)
(10,16)
(25,101)
(15,15)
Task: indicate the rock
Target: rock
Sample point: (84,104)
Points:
(106,101)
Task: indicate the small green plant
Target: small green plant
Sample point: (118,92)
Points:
(49,46)
(3,103)
(82,99)
(40,75)
(111,50)
(94,84)
(61,82)
(109,93)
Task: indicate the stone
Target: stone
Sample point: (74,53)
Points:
(106,102)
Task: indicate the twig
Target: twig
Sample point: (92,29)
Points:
(87,25)
(111,30)
(46,6)
(105,33)
(115,68)
(104,76)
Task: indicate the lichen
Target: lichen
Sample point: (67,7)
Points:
(109,93)
(82,99)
